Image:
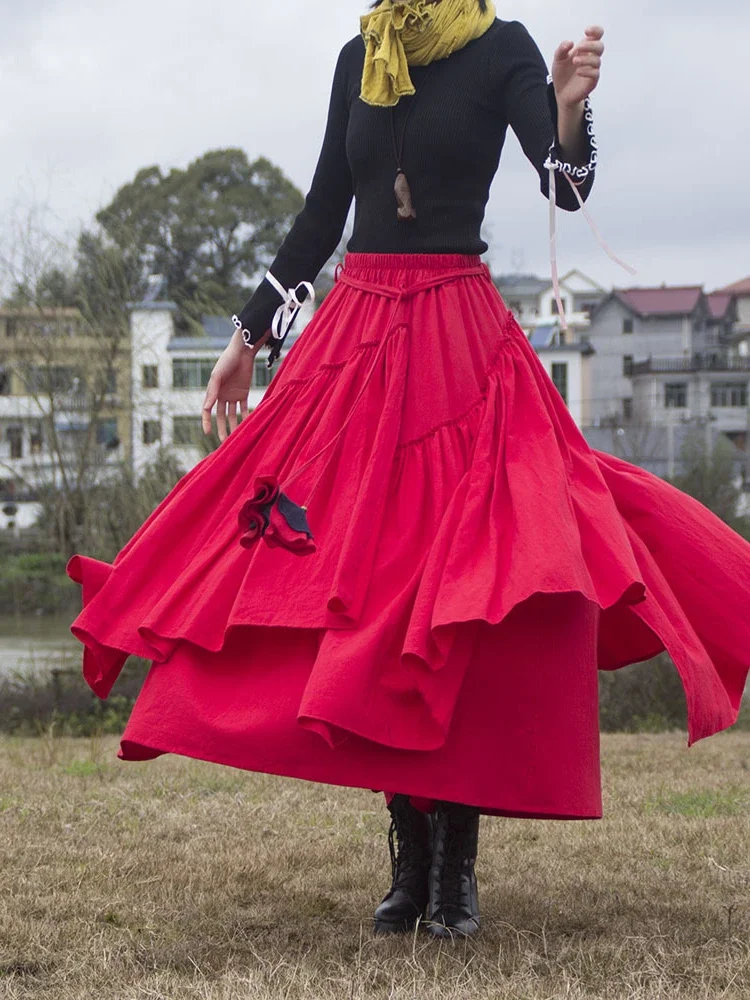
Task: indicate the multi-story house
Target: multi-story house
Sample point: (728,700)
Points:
(169,376)
(64,394)
(663,365)
(634,325)
(566,355)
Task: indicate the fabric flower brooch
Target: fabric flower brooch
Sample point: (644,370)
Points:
(271,515)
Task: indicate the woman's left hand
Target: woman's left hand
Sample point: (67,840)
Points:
(576,68)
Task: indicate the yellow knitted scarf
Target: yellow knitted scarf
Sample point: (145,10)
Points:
(403,33)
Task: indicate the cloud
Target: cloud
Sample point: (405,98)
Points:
(92,92)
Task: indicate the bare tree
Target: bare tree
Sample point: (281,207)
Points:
(67,371)
(636,442)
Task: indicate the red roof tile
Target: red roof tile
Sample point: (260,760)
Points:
(666,301)
(738,288)
(718,303)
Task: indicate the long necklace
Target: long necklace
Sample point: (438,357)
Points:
(406,211)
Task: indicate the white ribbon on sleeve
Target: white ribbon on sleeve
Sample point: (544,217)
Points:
(555,165)
(290,307)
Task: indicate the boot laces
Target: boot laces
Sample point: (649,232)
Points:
(454,867)
(407,854)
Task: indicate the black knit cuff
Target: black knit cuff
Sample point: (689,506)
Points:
(257,314)
(578,173)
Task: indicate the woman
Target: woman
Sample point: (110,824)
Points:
(404,569)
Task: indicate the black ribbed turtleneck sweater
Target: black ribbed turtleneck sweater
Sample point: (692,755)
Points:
(453,141)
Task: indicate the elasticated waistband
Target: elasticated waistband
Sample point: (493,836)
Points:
(360,262)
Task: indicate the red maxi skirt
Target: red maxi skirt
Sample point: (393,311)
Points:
(477,563)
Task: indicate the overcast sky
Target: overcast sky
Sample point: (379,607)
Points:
(93,90)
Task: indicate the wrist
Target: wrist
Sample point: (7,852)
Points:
(571,132)
(572,109)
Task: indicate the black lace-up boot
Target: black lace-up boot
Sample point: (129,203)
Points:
(453,909)
(407,899)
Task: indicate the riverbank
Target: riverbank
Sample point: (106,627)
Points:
(34,644)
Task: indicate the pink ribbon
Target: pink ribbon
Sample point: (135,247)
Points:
(553,240)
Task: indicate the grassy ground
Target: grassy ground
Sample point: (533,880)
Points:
(182,880)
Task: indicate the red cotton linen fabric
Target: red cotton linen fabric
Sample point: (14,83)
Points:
(477,563)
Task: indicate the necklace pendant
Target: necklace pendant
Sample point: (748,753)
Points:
(403,198)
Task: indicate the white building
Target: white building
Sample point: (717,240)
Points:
(169,378)
(740,334)
(568,365)
(566,355)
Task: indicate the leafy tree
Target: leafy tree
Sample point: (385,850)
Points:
(710,475)
(208,229)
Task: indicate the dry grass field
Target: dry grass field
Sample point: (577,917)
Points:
(182,880)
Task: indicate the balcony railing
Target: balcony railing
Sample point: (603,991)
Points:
(697,363)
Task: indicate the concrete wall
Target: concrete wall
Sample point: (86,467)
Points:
(151,330)
(656,449)
(743,310)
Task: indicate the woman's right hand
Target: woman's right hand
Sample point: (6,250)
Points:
(229,385)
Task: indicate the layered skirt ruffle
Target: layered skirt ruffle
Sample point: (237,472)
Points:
(476,563)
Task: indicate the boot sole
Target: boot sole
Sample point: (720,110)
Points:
(396,926)
(444,933)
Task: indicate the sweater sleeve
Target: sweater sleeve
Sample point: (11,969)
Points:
(318,228)
(531,111)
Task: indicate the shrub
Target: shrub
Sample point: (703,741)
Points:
(34,583)
(32,703)
(644,697)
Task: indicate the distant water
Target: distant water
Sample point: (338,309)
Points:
(37,644)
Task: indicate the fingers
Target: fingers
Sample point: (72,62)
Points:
(564,49)
(587,62)
(212,392)
(244,411)
(221,419)
(587,55)
(588,49)
(232,416)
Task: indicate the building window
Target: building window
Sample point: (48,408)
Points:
(150,376)
(15,440)
(627,409)
(263,374)
(627,325)
(191,373)
(556,310)
(4,383)
(110,386)
(729,394)
(151,431)
(36,438)
(627,365)
(11,327)
(675,395)
(560,378)
(187,431)
(106,433)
